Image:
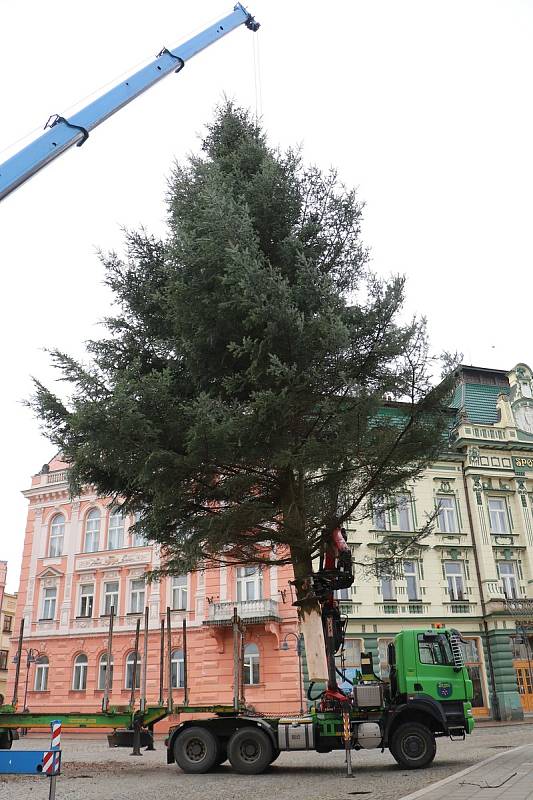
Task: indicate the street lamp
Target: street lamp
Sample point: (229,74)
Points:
(31,658)
(285,646)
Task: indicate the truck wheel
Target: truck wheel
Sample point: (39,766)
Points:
(413,745)
(250,751)
(6,739)
(196,750)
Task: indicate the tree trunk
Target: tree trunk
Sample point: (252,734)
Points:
(310,618)
(309,611)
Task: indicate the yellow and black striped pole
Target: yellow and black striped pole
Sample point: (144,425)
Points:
(347,741)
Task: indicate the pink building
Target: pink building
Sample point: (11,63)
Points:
(80,558)
(3,579)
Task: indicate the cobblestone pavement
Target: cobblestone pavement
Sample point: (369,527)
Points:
(92,771)
(506,776)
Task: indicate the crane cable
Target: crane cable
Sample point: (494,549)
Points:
(257,77)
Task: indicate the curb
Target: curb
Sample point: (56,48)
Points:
(427,789)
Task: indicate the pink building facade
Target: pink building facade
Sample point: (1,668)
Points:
(80,558)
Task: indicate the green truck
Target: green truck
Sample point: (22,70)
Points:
(428,696)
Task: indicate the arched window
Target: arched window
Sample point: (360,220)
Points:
(57,533)
(102,670)
(41,674)
(251,664)
(138,539)
(92,531)
(115,539)
(130,663)
(79,680)
(178,669)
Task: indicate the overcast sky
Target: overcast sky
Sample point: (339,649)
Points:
(424,105)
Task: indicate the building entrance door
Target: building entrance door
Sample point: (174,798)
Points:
(524,678)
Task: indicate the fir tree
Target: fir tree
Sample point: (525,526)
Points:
(257,387)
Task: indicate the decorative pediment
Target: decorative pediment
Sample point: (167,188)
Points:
(50,572)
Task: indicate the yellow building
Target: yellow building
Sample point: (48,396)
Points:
(474,571)
(8,604)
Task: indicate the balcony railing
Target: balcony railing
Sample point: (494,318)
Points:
(403,608)
(458,608)
(249,611)
(59,476)
(519,608)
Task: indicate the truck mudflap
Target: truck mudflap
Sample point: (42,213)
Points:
(413,704)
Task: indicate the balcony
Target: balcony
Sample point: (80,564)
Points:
(416,608)
(516,607)
(459,608)
(58,476)
(249,611)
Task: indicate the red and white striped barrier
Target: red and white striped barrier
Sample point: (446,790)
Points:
(52,757)
(51,761)
(56,734)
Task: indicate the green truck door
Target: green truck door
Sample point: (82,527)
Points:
(436,674)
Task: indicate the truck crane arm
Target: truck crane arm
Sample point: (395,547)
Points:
(61,134)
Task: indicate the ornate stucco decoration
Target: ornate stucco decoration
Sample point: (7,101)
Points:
(521,399)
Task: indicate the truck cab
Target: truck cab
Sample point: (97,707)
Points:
(427,669)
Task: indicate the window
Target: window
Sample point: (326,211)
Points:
(403,505)
(115,539)
(388,590)
(379,517)
(86,600)
(130,664)
(3,658)
(102,670)
(410,573)
(57,532)
(472,660)
(343,594)
(349,661)
(179,592)
(92,531)
(251,665)
(178,669)
(138,539)
(383,653)
(249,584)
(137,589)
(110,597)
(8,623)
(41,674)
(434,652)
(447,515)
(453,570)
(506,571)
(499,521)
(49,603)
(79,681)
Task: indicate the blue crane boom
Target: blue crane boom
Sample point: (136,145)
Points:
(61,134)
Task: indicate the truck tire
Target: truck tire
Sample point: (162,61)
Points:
(250,751)
(196,750)
(413,745)
(6,739)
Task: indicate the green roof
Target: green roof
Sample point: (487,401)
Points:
(478,401)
